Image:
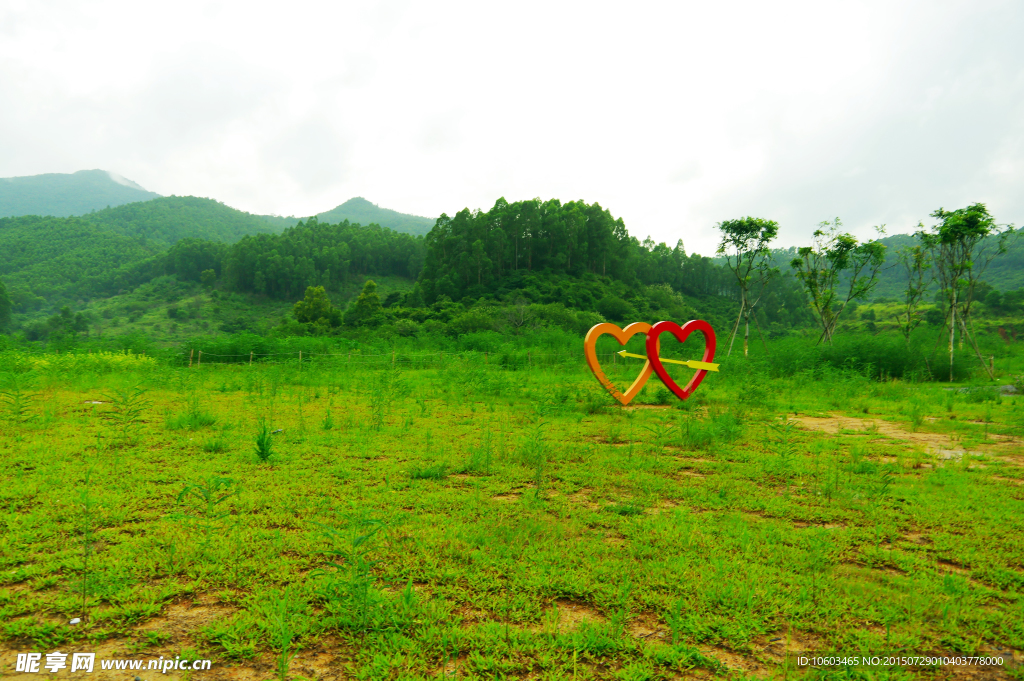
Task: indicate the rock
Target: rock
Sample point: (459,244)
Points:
(75,621)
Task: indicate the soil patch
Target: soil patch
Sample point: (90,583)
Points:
(940,444)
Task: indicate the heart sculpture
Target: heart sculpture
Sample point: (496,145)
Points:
(681,334)
(621,335)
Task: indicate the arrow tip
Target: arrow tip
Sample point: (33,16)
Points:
(621,353)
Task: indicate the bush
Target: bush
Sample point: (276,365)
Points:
(406,328)
(616,309)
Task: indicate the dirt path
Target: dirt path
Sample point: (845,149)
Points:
(943,445)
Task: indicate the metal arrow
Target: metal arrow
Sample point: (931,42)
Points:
(692,363)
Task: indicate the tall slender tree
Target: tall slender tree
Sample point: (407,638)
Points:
(916,263)
(745,247)
(834,261)
(963,244)
(5,307)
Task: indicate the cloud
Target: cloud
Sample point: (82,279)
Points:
(673,115)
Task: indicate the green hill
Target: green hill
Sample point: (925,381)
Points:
(67,194)
(1005,273)
(169,219)
(361,211)
(51,259)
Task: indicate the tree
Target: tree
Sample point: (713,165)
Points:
(5,306)
(916,262)
(315,308)
(367,306)
(745,247)
(962,251)
(833,260)
(207,278)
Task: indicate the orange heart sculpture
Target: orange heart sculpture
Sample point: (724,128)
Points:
(623,336)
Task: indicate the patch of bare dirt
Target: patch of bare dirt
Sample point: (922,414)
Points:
(824,526)
(179,622)
(506,498)
(614,539)
(572,614)
(581,498)
(786,645)
(940,444)
(949,566)
(662,506)
(649,627)
(917,538)
(471,617)
(734,662)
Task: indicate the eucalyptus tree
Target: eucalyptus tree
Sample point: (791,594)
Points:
(837,270)
(963,244)
(916,263)
(745,247)
(5,306)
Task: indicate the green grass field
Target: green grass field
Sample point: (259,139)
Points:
(450,518)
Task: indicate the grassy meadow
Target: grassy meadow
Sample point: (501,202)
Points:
(458,515)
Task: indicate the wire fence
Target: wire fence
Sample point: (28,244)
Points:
(197,358)
(507,359)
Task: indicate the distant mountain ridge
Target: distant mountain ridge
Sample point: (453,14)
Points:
(63,195)
(363,212)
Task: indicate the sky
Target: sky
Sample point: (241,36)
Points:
(672,115)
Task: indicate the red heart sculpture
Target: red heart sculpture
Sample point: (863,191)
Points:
(681,334)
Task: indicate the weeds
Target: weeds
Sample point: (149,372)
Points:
(264,442)
(194,418)
(17,401)
(348,592)
(126,408)
(205,500)
(387,386)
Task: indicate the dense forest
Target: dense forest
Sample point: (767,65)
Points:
(310,254)
(184,262)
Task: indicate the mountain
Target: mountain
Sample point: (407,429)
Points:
(361,211)
(50,259)
(167,220)
(62,195)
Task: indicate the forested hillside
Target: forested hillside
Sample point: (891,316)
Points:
(310,254)
(58,259)
(169,219)
(62,195)
(529,262)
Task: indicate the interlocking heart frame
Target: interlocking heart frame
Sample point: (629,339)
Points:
(653,363)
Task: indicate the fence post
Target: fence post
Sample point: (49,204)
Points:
(300,359)
(190,353)
(485,357)
(250,358)
(392,355)
(992,364)
(200,363)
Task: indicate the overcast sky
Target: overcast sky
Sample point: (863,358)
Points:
(672,115)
